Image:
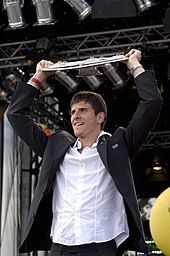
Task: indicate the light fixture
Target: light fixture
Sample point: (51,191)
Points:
(14,12)
(12,80)
(66,80)
(46,89)
(3,95)
(44,12)
(93,81)
(111,73)
(158,171)
(88,71)
(81,7)
(42,44)
(157,166)
(166,20)
(144,4)
(113,9)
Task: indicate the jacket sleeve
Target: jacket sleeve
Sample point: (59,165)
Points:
(146,115)
(18,114)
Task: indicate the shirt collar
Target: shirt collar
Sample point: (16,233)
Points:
(77,144)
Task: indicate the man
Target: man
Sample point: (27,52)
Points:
(85,201)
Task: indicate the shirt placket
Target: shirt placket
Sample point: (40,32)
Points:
(78,202)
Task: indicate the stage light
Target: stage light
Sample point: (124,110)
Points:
(66,80)
(158,171)
(46,89)
(42,44)
(14,12)
(144,4)
(3,95)
(81,7)
(157,166)
(114,77)
(166,20)
(88,71)
(12,79)
(93,81)
(113,9)
(44,12)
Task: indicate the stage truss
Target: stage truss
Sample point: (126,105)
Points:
(79,47)
(158,139)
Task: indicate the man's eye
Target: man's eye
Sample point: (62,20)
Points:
(83,110)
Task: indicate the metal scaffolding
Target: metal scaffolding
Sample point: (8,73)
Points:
(14,54)
(108,43)
(159,138)
(77,47)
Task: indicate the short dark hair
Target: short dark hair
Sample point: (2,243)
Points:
(94,99)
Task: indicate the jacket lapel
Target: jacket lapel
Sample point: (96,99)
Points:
(63,145)
(61,150)
(102,149)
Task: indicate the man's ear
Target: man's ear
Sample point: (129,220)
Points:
(101,117)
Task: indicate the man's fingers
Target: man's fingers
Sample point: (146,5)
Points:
(133,52)
(43,64)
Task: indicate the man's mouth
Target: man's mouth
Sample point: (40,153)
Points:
(78,124)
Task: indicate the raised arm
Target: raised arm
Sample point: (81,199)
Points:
(18,112)
(148,110)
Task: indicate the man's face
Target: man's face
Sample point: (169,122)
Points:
(84,121)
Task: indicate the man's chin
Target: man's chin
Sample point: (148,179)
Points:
(77,134)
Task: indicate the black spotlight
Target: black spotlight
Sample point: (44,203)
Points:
(113,9)
(167,20)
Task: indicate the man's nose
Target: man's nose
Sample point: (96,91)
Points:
(77,114)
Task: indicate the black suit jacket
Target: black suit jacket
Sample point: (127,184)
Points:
(116,153)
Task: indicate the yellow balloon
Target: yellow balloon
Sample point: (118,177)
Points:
(160,222)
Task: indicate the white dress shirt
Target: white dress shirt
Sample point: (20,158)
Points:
(87,206)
